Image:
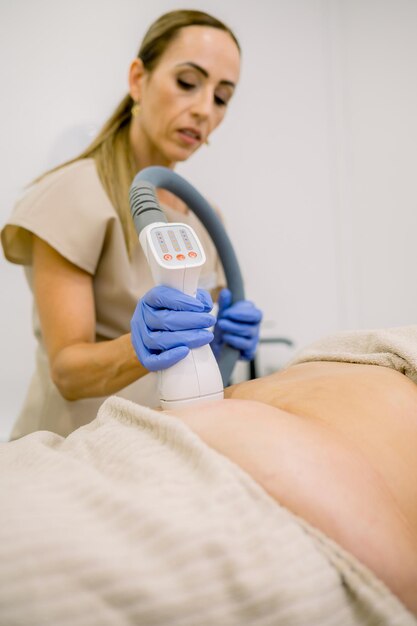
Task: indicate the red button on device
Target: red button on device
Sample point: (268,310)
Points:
(192,254)
(167,257)
(180,257)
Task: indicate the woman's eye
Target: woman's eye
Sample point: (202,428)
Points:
(184,84)
(220,101)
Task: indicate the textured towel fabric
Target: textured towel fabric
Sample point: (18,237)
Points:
(389,347)
(132,519)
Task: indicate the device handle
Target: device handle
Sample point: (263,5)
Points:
(167,179)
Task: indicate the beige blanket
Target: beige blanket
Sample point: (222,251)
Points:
(388,347)
(133,520)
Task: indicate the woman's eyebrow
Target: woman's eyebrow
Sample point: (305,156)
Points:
(205,72)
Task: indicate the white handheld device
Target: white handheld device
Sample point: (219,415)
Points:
(176,256)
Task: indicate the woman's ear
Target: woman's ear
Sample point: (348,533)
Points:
(136,74)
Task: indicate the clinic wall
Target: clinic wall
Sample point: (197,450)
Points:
(314,167)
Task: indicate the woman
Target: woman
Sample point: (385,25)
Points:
(74,233)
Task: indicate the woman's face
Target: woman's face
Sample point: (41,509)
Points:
(185,97)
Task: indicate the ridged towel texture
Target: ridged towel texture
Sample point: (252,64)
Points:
(389,347)
(133,520)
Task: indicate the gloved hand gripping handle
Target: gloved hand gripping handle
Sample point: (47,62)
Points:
(145,210)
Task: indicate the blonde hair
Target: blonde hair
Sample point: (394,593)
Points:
(111,149)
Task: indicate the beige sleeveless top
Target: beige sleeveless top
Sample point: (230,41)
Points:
(69,209)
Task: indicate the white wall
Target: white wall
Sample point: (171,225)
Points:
(374,46)
(314,167)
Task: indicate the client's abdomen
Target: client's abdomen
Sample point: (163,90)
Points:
(314,471)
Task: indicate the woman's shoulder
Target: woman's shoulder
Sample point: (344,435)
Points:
(75,186)
(70,178)
(69,209)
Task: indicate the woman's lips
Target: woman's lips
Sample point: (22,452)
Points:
(189,136)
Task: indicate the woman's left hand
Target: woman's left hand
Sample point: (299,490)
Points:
(237,325)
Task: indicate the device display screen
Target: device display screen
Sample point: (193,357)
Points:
(175,244)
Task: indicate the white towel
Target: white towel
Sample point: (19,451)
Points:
(389,347)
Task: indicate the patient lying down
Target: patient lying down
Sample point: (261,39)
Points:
(336,444)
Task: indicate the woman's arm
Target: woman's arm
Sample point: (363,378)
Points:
(80,367)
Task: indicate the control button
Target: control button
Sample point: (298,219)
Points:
(167,257)
(192,254)
(180,257)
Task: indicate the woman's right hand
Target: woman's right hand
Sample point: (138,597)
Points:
(168,323)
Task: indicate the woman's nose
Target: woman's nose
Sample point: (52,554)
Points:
(202,104)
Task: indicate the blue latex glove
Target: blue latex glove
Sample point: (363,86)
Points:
(167,323)
(237,325)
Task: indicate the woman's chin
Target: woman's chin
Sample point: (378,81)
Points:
(175,154)
(182,153)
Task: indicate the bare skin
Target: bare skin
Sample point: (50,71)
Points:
(334,443)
